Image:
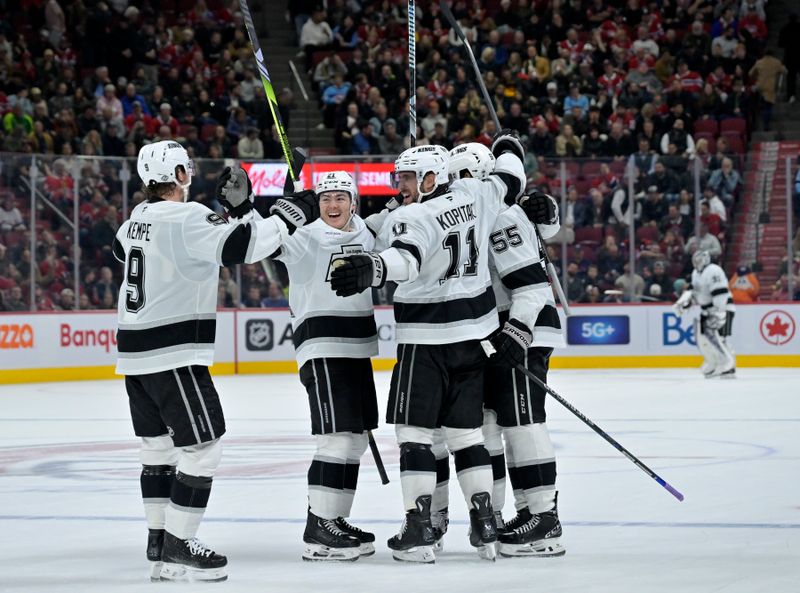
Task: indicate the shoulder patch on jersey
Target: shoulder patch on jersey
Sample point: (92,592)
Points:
(215,219)
(399,228)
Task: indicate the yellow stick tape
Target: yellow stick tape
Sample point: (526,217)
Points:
(386,364)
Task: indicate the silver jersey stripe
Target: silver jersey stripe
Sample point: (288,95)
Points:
(319,401)
(202,404)
(167,321)
(186,403)
(399,380)
(330,394)
(410,380)
(188,347)
(332,313)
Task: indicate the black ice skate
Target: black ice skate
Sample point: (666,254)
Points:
(190,560)
(482,526)
(415,541)
(155,545)
(439,521)
(365,538)
(523,516)
(326,541)
(540,536)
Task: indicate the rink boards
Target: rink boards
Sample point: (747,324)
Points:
(60,346)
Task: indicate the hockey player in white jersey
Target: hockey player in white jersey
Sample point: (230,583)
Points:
(444,305)
(334,339)
(172,251)
(514,406)
(709,289)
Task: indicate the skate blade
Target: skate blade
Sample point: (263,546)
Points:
(320,553)
(729,375)
(366,549)
(488,552)
(418,554)
(438,545)
(541,549)
(179,572)
(155,570)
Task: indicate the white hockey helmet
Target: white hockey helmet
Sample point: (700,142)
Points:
(701,259)
(158,162)
(430,158)
(337,181)
(473,157)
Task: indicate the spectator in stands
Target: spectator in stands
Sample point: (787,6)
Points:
(676,222)
(654,207)
(725,181)
(165,118)
(664,179)
(541,142)
(568,144)
(574,288)
(618,145)
(10,216)
(434,116)
(680,138)
(364,142)
(390,142)
(643,160)
(631,284)
(250,145)
(275,297)
(765,72)
(704,241)
(253,298)
(744,285)
(66,300)
(14,301)
(316,35)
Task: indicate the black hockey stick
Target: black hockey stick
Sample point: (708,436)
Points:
(551,270)
(373,446)
(489,350)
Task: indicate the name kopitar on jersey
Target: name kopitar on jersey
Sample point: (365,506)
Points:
(456,216)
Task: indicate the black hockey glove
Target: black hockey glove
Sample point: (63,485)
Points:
(395,202)
(297,209)
(356,273)
(507,140)
(538,207)
(235,192)
(511,343)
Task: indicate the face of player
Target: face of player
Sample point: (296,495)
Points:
(407,185)
(334,208)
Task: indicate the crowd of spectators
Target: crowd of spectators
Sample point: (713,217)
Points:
(663,91)
(101,79)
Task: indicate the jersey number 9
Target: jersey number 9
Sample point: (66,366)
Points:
(134,295)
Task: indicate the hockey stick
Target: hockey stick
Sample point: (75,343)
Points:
(551,270)
(489,350)
(412,72)
(272,100)
(373,446)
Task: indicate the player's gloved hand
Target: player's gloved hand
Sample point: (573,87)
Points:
(716,321)
(538,207)
(511,343)
(235,192)
(507,140)
(356,273)
(683,303)
(395,202)
(297,209)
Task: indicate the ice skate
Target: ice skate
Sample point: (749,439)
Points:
(190,560)
(440,520)
(415,541)
(483,529)
(326,541)
(540,536)
(365,538)
(155,545)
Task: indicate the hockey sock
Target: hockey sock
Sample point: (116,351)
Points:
(156,484)
(417,472)
(187,504)
(474,470)
(441,495)
(326,476)
(493,439)
(532,466)
(358,445)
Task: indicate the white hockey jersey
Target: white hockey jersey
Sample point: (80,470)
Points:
(710,290)
(519,278)
(172,252)
(323,324)
(448,297)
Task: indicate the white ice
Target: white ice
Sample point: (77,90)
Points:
(71,516)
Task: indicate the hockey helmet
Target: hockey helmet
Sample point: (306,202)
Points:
(159,161)
(473,157)
(339,181)
(422,160)
(701,259)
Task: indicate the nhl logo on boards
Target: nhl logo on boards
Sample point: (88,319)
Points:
(259,334)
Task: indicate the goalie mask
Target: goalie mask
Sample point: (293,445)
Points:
(422,160)
(470,160)
(700,260)
(159,162)
(339,181)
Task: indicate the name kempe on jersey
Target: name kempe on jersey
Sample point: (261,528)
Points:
(168,300)
(323,324)
(451,300)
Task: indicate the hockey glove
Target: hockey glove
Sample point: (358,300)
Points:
(356,273)
(507,140)
(511,343)
(716,321)
(395,202)
(683,303)
(297,209)
(538,207)
(235,192)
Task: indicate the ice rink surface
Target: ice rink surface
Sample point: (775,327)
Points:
(71,517)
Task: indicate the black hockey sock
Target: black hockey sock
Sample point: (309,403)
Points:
(474,470)
(417,472)
(326,482)
(156,484)
(188,502)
